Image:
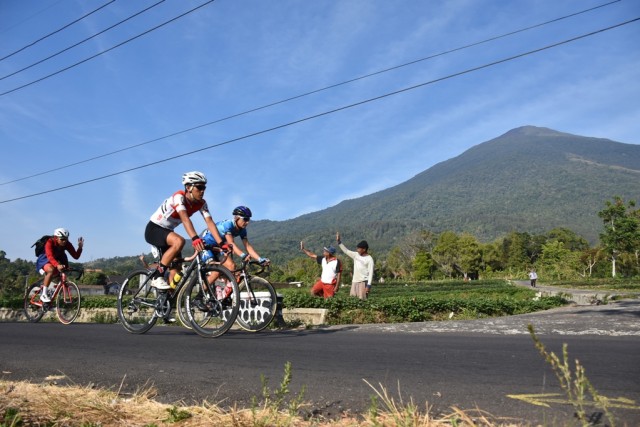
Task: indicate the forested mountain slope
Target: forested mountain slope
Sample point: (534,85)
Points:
(529,179)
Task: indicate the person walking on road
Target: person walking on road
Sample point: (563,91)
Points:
(533,276)
(362,268)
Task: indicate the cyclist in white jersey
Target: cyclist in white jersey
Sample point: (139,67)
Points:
(174,211)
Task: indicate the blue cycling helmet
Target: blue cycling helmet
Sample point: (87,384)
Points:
(242,211)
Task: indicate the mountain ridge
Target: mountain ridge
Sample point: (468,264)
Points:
(529,179)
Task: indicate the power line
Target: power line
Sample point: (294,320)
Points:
(108,50)
(307,94)
(16,24)
(80,42)
(57,31)
(326,113)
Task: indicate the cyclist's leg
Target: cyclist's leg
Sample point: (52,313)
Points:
(231,266)
(213,275)
(49,273)
(169,243)
(174,243)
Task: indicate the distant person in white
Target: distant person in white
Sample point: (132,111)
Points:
(362,268)
(533,276)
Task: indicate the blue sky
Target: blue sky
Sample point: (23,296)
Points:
(229,57)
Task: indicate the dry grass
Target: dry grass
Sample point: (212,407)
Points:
(27,404)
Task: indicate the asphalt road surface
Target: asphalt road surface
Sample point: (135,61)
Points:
(489,364)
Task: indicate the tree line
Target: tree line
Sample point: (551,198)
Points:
(559,254)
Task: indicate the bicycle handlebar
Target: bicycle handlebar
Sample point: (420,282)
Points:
(264,266)
(80,271)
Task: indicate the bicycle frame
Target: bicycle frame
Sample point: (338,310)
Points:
(245,276)
(61,285)
(66,299)
(169,296)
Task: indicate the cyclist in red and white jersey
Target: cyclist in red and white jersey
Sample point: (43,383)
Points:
(174,211)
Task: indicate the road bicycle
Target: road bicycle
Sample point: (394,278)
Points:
(66,297)
(140,305)
(258,298)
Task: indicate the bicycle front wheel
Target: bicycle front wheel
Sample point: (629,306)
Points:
(68,303)
(209,316)
(32,306)
(258,304)
(137,302)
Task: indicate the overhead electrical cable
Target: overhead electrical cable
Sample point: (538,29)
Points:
(28,18)
(326,113)
(108,50)
(57,31)
(302,95)
(82,41)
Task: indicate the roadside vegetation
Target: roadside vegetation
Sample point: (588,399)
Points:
(391,303)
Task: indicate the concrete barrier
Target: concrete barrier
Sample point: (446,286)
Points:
(306,316)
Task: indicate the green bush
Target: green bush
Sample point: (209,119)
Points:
(425,301)
(99,301)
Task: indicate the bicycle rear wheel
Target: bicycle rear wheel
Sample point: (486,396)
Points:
(258,304)
(32,306)
(210,317)
(137,302)
(68,303)
(181,303)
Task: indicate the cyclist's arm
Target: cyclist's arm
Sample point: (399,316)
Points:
(72,251)
(48,250)
(249,247)
(211,226)
(188,225)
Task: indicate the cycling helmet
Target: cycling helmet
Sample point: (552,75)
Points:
(61,232)
(195,177)
(242,211)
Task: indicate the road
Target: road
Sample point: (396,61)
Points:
(489,364)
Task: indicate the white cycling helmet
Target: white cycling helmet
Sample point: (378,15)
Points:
(61,232)
(195,177)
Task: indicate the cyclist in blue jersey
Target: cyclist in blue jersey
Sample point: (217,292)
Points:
(230,229)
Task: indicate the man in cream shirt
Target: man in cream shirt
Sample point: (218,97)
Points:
(362,268)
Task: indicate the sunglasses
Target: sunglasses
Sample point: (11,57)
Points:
(245,218)
(200,187)
(62,239)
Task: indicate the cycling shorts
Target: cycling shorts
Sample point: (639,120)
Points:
(157,236)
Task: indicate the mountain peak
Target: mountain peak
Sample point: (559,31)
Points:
(534,131)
